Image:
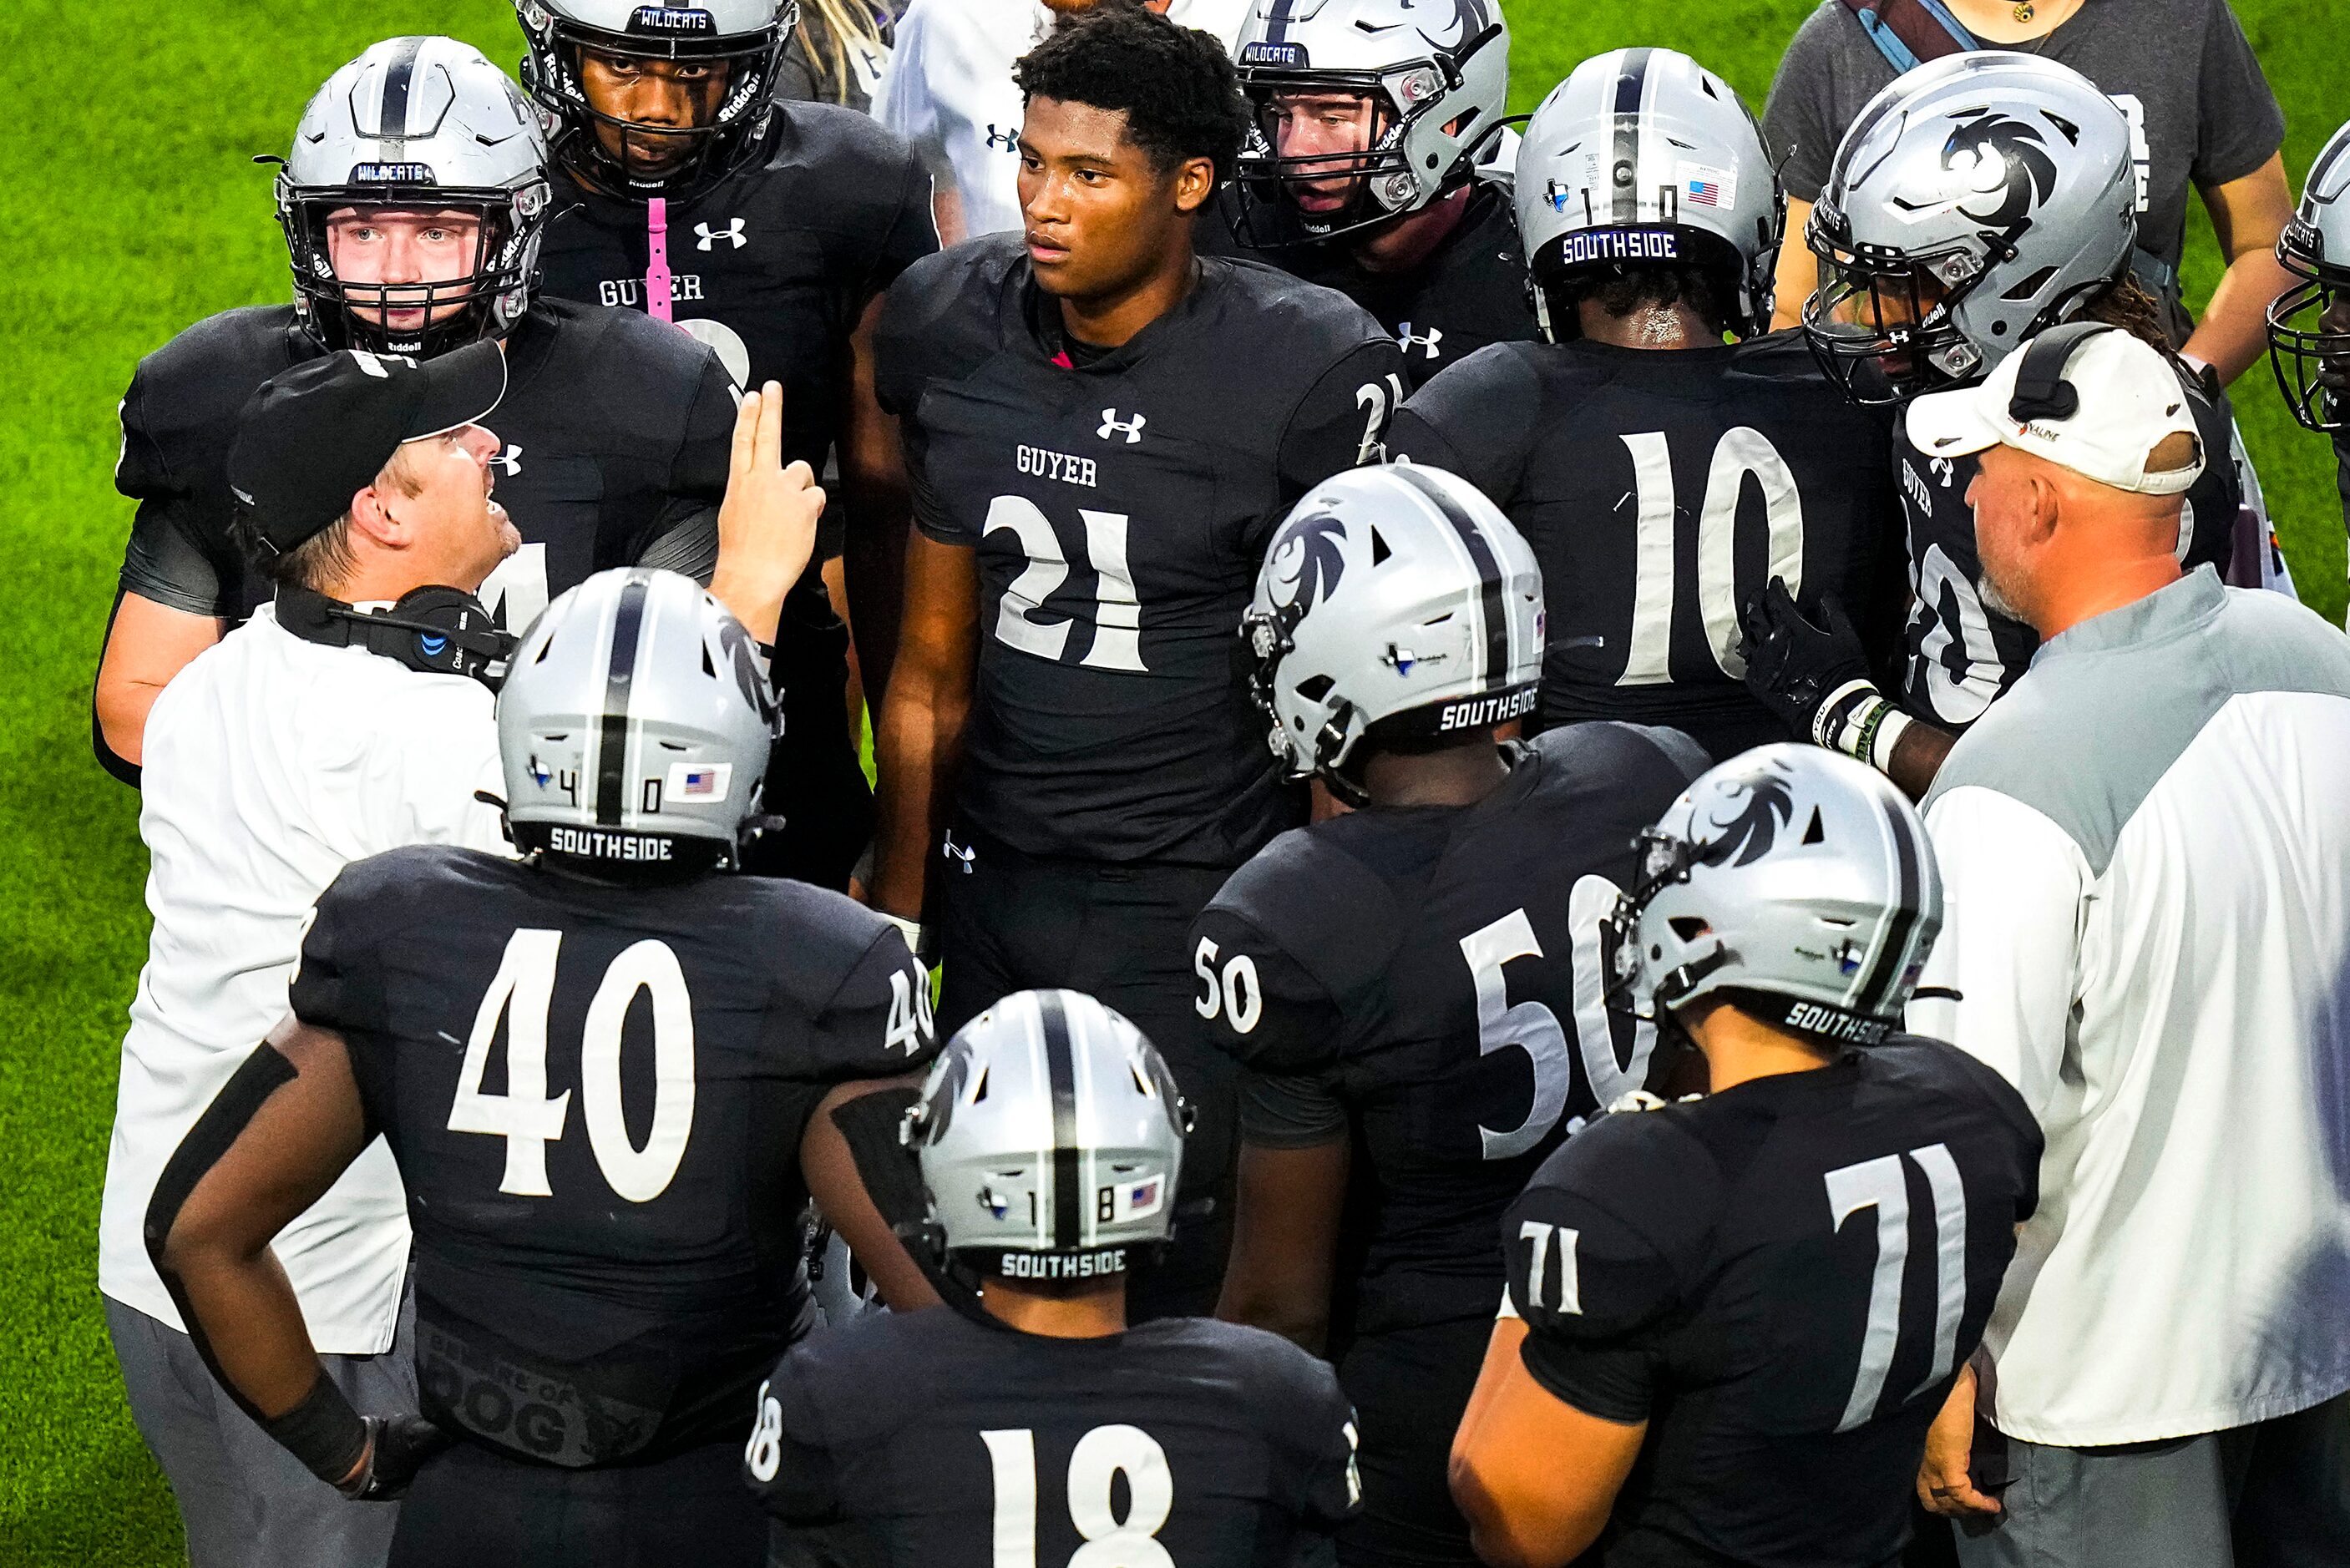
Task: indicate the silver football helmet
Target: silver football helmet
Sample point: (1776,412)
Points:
(1799,882)
(723,55)
(2309,323)
(1426,83)
(1975,201)
(417,124)
(1051,1140)
(1396,603)
(1641,158)
(635,725)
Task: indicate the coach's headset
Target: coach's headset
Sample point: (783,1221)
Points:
(2040,391)
(440,631)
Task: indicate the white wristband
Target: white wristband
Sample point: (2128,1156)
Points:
(1888,735)
(910,930)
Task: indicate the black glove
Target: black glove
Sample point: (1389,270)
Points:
(397,1447)
(1793,667)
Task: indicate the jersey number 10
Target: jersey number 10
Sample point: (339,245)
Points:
(1743,452)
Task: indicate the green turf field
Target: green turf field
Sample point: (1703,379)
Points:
(131,210)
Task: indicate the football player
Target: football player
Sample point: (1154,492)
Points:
(1731,1320)
(1103,430)
(1974,203)
(1662,471)
(1039,1426)
(1377,164)
(1413,989)
(2309,323)
(767,230)
(413,202)
(597,1295)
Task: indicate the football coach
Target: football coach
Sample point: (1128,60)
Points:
(351,716)
(2146,850)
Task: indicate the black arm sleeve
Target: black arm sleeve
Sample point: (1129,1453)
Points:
(1291,1110)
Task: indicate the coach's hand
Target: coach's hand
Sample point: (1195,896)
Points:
(1793,666)
(766,529)
(397,1447)
(1945,1485)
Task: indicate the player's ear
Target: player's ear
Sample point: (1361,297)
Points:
(372,516)
(1195,182)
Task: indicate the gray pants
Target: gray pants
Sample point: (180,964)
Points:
(2275,1494)
(244,1502)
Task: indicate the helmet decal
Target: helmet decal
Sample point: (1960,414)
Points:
(1467,20)
(1748,835)
(1306,564)
(2003,157)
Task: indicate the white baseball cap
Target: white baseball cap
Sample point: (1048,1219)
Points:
(2084,395)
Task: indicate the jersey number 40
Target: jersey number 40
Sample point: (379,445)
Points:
(523,993)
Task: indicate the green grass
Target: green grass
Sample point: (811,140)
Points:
(130,209)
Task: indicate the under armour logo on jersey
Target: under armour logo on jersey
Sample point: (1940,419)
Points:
(1941,470)
(956,852)
(1130,429)
(509,462)
(1007,139)
(732,233)
(1424,341)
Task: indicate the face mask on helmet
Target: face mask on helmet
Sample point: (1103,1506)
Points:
(1882,325)
(668,107)
(2309,333)
(434,271)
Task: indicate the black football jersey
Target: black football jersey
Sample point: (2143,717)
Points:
(1120,504)
(1468,292)
(1661,491)
(771,266)
(1427,980)
(1960,653)
(1782,1281)
(596,1095)
(617,437)
(945,1441)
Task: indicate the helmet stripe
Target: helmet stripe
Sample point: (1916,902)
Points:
(1886,968)
(619,675)
(1631,81)
(1277,30)
(1492,601)
(392,116)
(1060,1066)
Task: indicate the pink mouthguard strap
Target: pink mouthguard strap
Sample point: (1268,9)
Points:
(657,278)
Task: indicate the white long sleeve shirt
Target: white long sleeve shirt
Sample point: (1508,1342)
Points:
(2145,854)
(950,92)
(270,763)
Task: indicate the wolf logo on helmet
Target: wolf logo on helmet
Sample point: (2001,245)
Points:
(1306,562)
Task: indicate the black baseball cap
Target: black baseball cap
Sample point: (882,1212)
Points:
(318,434)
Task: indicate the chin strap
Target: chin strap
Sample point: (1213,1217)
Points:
(657,278)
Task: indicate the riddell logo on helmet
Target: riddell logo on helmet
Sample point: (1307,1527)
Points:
(1486,710)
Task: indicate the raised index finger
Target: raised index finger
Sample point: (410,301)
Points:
(746,436)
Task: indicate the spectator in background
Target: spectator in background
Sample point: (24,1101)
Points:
(839,52)
(2144,846)
(949,91)
(2200,113)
